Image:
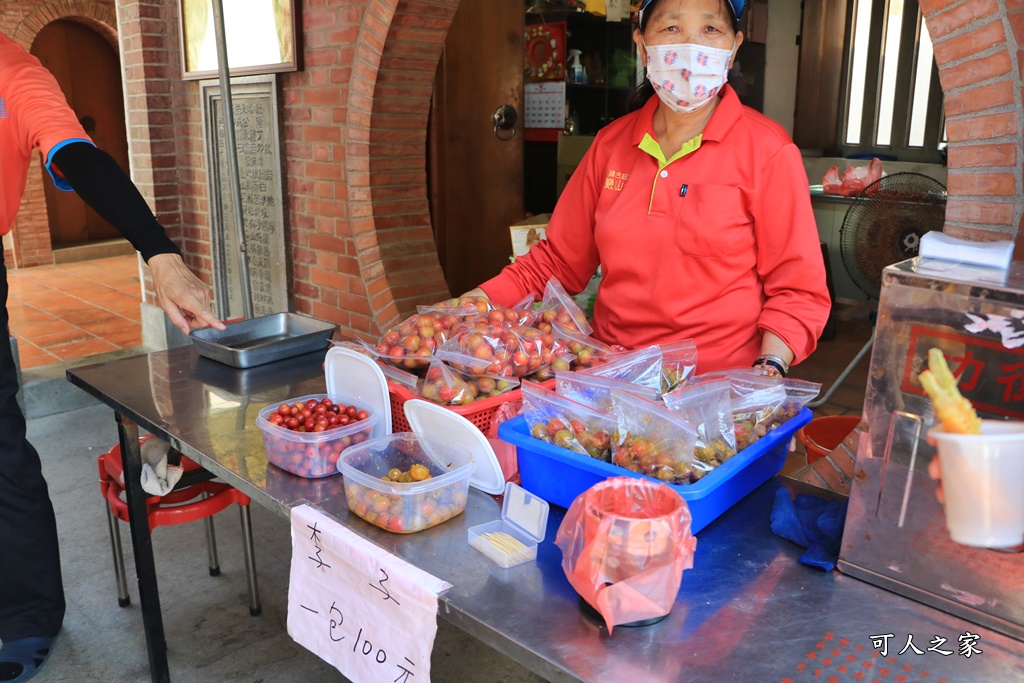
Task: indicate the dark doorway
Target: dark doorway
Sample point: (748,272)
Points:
(475,170)
(89,72)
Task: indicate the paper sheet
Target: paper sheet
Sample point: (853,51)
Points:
(370,614)
(938,245)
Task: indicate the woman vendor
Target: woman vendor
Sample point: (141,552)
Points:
(696,208)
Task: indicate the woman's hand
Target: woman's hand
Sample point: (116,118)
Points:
(935,472)
(183,296)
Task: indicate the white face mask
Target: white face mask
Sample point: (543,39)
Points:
(687,76)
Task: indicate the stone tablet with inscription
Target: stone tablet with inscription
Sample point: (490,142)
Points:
(259,167)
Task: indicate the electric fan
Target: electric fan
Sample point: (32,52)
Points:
(883,226)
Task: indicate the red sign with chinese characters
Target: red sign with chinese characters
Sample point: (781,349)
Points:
(989,374)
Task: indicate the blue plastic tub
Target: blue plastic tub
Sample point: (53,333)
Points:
(559,475)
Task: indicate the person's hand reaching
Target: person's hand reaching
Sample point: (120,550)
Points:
(183,296)
(935,472)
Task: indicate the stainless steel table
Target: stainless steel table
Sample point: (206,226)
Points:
(747,611)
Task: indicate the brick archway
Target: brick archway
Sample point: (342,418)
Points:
(399,46)
(97,16)
(364,253)
(31,234)
(977,47)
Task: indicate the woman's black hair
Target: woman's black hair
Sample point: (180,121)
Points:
(638,97)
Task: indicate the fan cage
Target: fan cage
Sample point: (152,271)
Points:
(885,223)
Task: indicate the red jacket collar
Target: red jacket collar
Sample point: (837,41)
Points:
(728,112)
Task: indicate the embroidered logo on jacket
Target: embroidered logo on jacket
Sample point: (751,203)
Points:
(3,108)
(616,180)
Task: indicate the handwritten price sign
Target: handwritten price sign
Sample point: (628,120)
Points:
(368,613)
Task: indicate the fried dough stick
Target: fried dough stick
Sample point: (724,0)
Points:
(954,411)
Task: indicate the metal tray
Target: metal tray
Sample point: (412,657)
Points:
(258,341)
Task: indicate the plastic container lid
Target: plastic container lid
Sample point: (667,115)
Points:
(352,376)
(525,511)
(429,418)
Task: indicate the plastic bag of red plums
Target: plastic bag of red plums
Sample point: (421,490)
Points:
(558,306)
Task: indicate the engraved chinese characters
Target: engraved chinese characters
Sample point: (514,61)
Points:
(259,169)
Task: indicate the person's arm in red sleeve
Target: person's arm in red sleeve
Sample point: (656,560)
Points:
(568,252)
(789,261)
(40,115)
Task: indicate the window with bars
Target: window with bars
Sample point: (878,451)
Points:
(868,84)
(891,100)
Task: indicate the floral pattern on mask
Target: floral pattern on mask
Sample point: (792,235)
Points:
(687,76)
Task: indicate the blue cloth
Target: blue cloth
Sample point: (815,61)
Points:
(815,523)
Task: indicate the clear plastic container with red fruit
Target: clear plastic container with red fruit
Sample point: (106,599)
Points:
(407,482)
(310,446)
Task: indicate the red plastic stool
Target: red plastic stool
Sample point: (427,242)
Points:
(182,505)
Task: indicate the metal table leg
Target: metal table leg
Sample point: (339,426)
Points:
(142,545)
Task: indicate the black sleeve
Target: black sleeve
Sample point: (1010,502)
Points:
(99,181)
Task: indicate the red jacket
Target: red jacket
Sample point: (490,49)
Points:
(33,115)
(717,243)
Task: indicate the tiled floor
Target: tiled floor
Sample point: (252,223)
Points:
(74,310)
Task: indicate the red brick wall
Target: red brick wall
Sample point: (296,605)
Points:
(354,132)
(355,129)
(165,137)
(396,56)
(978,49)
(21,20)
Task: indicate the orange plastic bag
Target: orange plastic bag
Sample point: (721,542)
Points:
(854,180)
(625,544)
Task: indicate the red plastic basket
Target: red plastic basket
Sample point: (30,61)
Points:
(480,413)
